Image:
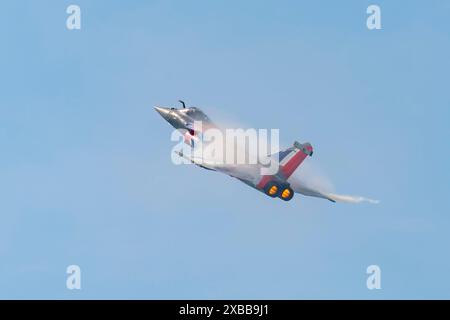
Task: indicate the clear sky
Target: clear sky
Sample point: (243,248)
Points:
(85,170)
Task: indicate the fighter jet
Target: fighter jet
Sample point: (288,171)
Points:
(275,186)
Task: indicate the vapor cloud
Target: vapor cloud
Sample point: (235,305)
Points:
(350,199)
(310,180)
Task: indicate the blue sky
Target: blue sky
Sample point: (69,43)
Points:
(85,170)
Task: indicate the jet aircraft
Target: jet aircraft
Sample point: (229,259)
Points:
(276,185)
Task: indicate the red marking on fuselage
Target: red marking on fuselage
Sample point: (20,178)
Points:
(287,169)
(264,180)
(188,137)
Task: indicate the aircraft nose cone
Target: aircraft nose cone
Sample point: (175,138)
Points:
(164,112)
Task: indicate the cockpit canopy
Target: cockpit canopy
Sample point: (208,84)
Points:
(195,113)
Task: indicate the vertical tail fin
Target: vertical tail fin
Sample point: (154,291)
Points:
(305,147)
(291,160)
